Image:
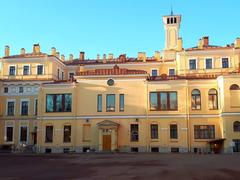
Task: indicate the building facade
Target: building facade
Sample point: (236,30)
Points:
(178,100)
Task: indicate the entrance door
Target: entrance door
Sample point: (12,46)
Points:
(106,142)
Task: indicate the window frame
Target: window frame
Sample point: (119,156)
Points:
(196,100)
(189,65)
(212,101)
(15,70)
(6,134)
(121,103)
(154,135)
(236,126)
(154,69)
(171,133)
(212,64)
(99,98)
(52,134)
(173,70)
(26,65)
(159,101)
(21,108)
(42,69)
(20,135)
(107,110)
(14,105)
(202,132)
(67,138)
(228,58)
(132,135)
(63,103)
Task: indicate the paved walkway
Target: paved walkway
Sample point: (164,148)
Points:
(120,166)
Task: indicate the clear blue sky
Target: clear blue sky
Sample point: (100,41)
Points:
(112,26)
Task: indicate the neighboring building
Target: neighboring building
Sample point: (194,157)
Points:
(183,100)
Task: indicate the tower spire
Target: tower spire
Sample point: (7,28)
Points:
(171,10)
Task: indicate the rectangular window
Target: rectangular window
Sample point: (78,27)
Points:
(192,64)
(67,133)
(62,75)
(121,102)
(154,131)
(36,107)
(58,74)
(10,108)
(86,132)
(26,70)
(225,63)
(24,108)
(154,72)
(71,75)
(20,89)
(39,69)
(208,63)
(110,102)
(204,131)
(12,71)
(163,101)
(99,103)
(171,72)
(6,90)
(49,134)
(134,132)
(23,134)
(58,102)
(173,131)
(9,134)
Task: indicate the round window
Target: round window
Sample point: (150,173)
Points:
(110,82)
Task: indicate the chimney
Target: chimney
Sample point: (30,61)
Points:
(237,43)
(7,51)
(122,58)
(53,51)
(58,55)
(157,55)
(62,57)
(82,56)
(205,41)
(36,48)
(110,56)
(179,44)
(22,51)
(104,58)
(98,57)
(142,56)
(70,57)
(200,43)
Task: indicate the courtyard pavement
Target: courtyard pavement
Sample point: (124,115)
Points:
(119,166)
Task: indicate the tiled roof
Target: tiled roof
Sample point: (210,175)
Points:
(114,71)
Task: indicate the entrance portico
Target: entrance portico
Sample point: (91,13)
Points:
(108,135)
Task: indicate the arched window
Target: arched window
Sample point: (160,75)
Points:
(234,87)
(175,20)
(171,20)
(236,126)
(196,99)
(213,99)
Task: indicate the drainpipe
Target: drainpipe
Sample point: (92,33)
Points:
(188,118)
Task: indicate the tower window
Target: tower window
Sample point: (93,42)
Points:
(171,20)
(168,20)
(175,20)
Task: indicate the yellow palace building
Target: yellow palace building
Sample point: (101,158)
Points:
(179,100)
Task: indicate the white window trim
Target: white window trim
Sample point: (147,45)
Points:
(10,100)
(29,72)
(155,69)
(27,99)
(5,134)
(193,58)
(35,106)
(15,69)
(205,64)
(174,71)
(19,133)
(229,62)
(43,69)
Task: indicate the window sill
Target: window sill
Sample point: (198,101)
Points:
(202,140)
(154,140)
(174,140)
